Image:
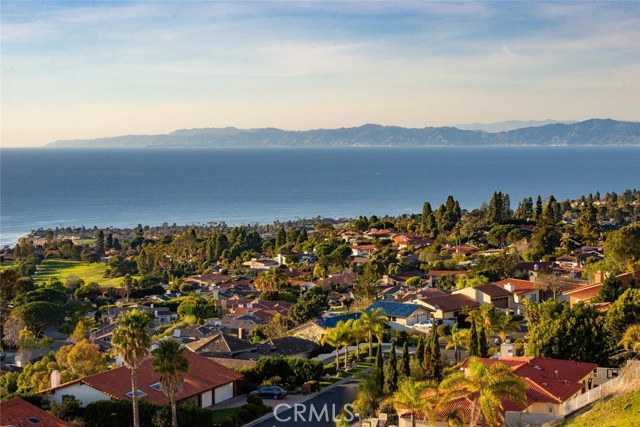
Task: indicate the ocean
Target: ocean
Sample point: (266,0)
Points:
(45,188)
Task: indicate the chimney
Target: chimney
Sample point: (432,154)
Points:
(598,277)
(509,287)
(507,350)
(176,333)
(241,333)
(55,378)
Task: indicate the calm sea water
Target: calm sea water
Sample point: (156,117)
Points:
(48,188)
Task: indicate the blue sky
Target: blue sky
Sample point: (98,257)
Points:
(91,69)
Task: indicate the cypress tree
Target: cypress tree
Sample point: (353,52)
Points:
(420,350)
(405,365)
(427,356)
(391,381)
(473,339)
(483,348)
(435,354)
(379,366)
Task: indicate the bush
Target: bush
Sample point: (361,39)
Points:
(293,372)
(118,413)
(69,410)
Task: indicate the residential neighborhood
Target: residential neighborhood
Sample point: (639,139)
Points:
(416,313)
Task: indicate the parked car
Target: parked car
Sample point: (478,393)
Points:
(274,392)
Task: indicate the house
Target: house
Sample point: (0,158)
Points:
(288,346)
(531,269)
(489,294)
(522,290)
(262,264)
(160,314)
(207,383)
(587,292)
(405,240)
(401,316)
(221,345)
(311,331)
(400,279)
(362,250)
(549,384)
(379,234)
(449,306)
(327,322)
(20,413)
(392,293)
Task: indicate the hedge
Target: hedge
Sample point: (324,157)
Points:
(118,413)
(294,372)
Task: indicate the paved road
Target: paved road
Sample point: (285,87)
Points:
(332,399)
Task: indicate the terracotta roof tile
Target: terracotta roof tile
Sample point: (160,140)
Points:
(16,412)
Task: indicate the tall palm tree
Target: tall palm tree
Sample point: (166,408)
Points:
(420,398)
(131,341)
(485,386)
(169,364)
(270,280)
(373,321)
(359,334)
(369,393)
(455,341)
(334,338)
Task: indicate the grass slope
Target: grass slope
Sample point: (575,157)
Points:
(62,268)
(619,411)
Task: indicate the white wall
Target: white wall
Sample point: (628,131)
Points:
(82,392)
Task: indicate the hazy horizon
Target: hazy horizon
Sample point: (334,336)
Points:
(84,70)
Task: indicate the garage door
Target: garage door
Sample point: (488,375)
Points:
(207,399)
(224,392)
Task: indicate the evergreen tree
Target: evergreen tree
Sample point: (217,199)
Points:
(587,225)
(473,349)
(428,224)
(391,380)
(379,366)
(222,244)
(611,289)
(100,242)
(537,213)
(431,366)
(483,346)
(281,238)
(419,354)
(108,244)
(405,363)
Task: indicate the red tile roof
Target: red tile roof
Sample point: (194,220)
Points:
(450,302)
(203,375)
(15,412)
(494,291)
(519,286)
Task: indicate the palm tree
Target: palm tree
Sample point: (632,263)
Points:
(503,323)
(169,364)
(270,280)
(359,334)
(630,342)
(455,341)
(347,336)
(372,321)
(369,393)
(485,386)
(131,341)
(334,337)
(420,398)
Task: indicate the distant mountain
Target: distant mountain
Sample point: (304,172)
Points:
(510,125)
(591,132)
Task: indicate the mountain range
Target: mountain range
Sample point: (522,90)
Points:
(593,132)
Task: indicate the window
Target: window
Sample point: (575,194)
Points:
(139,393)
(156,386)
(612,373)
(34,420)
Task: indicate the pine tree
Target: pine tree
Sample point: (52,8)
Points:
(428,222)
(537,213)
(391,381)
(100,243)
(281,238)
(108,244)
(431,366)
(483,347)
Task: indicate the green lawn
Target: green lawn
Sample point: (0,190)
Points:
(62,268)
(220,414)
(618,411)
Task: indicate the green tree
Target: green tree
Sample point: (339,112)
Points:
(100,242)
(170,364)
(610,291)
(623,312)
(431,363)
(379,367)
(416,397)
(311,304)
(40,315)
(455,341)
(369,393)
(131,341)
(622,247)
(334,337)
(486,386)
(428,225)
(587,225)
(405,361)
(391,378)
(271,280)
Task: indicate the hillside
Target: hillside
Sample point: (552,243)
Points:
(595,132)
(618,411)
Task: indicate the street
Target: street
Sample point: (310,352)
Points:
(321,407)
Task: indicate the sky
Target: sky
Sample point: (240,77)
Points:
(81,69)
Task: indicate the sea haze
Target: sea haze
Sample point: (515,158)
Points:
(45,188)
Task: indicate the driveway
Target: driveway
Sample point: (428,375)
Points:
(316,411)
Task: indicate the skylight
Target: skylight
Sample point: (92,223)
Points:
(139,393)
(155,386)
(34,420)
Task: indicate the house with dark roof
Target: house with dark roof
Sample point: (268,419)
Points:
(207,383)
(401,316)
(17,412)
(522,290)
(332,321)
(221,345)
(449,306)
(489,294)
(288,346)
